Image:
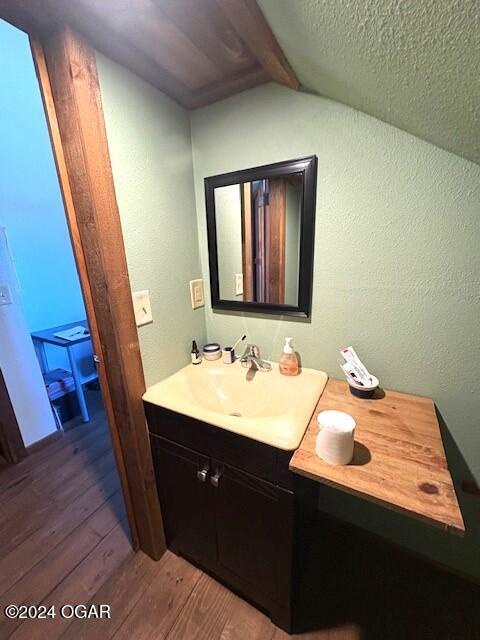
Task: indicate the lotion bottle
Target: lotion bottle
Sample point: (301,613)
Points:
(195,354)
(288,362)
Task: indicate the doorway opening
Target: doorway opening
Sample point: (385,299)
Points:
(46,354)
(58,475)
(73,112)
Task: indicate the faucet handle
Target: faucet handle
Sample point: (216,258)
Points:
(248,351)
(251,351)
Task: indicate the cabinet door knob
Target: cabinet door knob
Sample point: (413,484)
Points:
(215,478)
(202,473)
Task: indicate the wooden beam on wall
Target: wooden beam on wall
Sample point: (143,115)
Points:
(71,215)
(97,236)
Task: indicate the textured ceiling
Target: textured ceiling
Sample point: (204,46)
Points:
(412,63)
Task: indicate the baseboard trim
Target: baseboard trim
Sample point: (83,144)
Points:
(44,442)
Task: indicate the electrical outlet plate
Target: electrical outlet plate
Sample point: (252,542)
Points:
(5,294)
(239,284)
(142,307)
(196,293)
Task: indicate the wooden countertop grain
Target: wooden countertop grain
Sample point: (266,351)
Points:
(399,461)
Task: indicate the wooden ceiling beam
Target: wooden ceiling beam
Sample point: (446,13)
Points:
(251,25)
(30,16)
(144,25)
(212,32)
(245,80)
(107,39)
(194,51)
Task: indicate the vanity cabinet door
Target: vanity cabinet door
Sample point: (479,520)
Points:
(254,534)
(186,497)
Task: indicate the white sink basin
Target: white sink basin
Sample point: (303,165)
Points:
(269,408)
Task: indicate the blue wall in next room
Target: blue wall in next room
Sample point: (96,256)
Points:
(31,206)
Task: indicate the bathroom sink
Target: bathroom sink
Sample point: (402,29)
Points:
(267,407)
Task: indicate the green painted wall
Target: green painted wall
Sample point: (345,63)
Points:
(150,149)
(396,271)
(412,64)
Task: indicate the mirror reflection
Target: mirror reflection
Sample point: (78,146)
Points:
(258,239)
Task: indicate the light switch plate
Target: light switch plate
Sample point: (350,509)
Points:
(239,284)
(142,307)
(196,293)
(5,294)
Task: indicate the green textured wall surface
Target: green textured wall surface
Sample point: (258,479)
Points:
(150,149)
(414,64)
(397,272)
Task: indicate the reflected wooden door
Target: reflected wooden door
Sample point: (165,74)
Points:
(275,241)
(263,240)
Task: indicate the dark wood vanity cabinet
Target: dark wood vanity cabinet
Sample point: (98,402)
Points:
(233,515)
(187,502)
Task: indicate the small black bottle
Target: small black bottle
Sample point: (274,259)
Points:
(195,354)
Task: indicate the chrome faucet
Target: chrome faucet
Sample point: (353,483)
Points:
(251,358)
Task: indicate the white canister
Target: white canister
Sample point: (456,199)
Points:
(335,440)
(228,355)
(212,351)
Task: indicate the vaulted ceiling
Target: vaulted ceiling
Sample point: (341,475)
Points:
(412,63)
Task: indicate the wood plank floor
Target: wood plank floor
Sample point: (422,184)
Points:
(64,540)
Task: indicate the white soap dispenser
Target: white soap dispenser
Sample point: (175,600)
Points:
(288,362)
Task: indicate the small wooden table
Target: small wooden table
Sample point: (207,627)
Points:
(399,461)
(46,336)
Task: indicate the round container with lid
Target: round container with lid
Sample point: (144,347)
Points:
(212,351)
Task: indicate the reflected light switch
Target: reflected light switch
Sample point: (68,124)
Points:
(196,293)
(142,308)
(239,284)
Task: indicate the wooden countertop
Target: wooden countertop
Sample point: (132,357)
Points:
(399,461)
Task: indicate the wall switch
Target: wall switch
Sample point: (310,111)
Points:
(239,284)
(196,293)
(142,308)
(5,294)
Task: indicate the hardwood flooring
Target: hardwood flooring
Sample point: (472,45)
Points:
(64,540)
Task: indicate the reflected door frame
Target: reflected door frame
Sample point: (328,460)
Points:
(263,210)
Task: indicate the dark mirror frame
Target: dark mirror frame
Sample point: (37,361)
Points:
(306,166)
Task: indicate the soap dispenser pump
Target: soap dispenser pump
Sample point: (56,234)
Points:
(288,362)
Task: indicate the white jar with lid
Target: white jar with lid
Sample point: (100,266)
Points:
(212,351)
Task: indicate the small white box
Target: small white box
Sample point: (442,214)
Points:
(239,284)
(142,307)
(196,293)
(5,294)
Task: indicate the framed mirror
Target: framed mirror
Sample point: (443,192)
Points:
(261,229)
